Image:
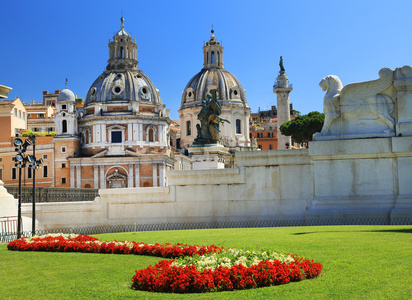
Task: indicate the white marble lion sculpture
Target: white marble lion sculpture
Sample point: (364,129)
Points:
(358,101)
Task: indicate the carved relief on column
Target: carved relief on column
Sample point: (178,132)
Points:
(72,178)
(78,177)
(137,176)
(154,174)
(96,176)
(102,179)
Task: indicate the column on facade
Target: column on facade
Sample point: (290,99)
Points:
(78,176)
(102,179)
(160,129)
(129,132)
(72,178)
(96,176)
(130,177)
(140,132)
(162,175)
(137,176)
(154,174)
(103,137)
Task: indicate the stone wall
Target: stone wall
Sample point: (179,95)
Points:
(332,180)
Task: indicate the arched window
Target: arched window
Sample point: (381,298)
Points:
(213,57)
(218,58)
(64,126)
(188,128)
(151,135)
(238,126)
(207,57)
(121,52)
(87,137)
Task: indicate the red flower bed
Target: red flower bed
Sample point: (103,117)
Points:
(163,277)
(85,243)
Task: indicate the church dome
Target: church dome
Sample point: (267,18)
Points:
(122,85)
(229,88)
(66,95)
(122,82)
(213,76)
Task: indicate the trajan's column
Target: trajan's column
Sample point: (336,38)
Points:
(282,89)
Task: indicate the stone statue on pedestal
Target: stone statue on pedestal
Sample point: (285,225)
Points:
(358,110)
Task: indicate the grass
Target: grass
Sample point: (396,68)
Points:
(360,262)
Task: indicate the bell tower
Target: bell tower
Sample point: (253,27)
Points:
(213,53)
(122,51)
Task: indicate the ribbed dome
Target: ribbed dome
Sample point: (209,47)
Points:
(228,88)
(123,85)
(66,95)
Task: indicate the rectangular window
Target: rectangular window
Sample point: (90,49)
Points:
(20,114)
(238,126)
(1,159)
(45,171)
(64,106)
(116,136)
(24,116)
(64,180)
(270,134)
(259,135)
(41,115)
(15,112)
(63,149)
(1,173)
(29,173)
(13,173)
(63,166)
(270,147)
(44,156)
(260,147)
(188,128)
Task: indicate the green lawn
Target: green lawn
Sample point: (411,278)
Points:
(360,262)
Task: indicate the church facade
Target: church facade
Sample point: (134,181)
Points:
(230,94)
(121,139)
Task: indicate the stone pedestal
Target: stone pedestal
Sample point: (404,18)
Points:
(8,205)
(208,156)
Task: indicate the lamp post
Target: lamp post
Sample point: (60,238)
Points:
(33,166)
(20,160)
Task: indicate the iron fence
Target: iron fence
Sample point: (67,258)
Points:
(47,194)
(8,227)
(99,229)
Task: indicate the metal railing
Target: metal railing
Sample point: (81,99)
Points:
(8,227)
(98,229)
(44,194)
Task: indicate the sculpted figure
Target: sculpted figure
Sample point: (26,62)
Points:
(209,119)
(333,86)
(360,105)
(282,68)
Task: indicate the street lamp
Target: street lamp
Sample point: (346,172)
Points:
(33,165)
(20,163)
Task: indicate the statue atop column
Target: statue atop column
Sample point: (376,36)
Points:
(282,68)
(208,130)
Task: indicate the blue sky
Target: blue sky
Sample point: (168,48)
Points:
(45,42)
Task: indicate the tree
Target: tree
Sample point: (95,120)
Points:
(302,128)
